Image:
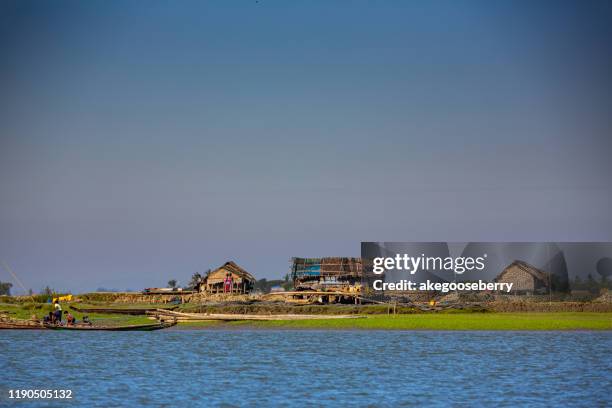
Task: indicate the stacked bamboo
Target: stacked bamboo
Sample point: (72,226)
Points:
(163,314)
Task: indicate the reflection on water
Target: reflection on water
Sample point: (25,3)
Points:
(305,368)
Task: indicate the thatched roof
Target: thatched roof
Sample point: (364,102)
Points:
(234,268)
(530,269)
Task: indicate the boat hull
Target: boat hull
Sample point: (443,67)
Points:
(139,327)
(18,326)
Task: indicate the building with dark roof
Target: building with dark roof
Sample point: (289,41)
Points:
(525,278)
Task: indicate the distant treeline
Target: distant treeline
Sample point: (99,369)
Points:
(591,284)
(5,288)
(265,286)
(114,290)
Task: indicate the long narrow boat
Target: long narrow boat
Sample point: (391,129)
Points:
(21,326)
(133,327)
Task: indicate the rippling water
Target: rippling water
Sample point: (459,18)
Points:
(305,368)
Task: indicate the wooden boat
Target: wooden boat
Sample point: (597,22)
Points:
(133,327)
(17,325)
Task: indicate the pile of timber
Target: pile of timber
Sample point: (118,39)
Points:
(308,296)
(162,314)
(309,292)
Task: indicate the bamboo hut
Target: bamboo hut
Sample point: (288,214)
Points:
(228,278)
(524,277)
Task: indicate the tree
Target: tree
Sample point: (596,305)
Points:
(195,281)
(592,284)
(47,291)
(558,284)
(265,286)
(262,285)
(288,285)
(172,283)
(577,281)
(604,267)
(5,288)
(604,282)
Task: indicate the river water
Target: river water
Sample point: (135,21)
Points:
(189,368)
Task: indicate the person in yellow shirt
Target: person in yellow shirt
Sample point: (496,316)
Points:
(57,311)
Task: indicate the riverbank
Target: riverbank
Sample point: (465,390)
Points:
(432,321)
(375,317)
(26,311)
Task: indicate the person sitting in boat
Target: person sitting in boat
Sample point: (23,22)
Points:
(58,312)
(70,320)
(50,318)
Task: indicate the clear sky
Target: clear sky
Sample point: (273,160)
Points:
(147,140)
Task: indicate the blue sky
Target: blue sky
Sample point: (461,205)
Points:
(147,140)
